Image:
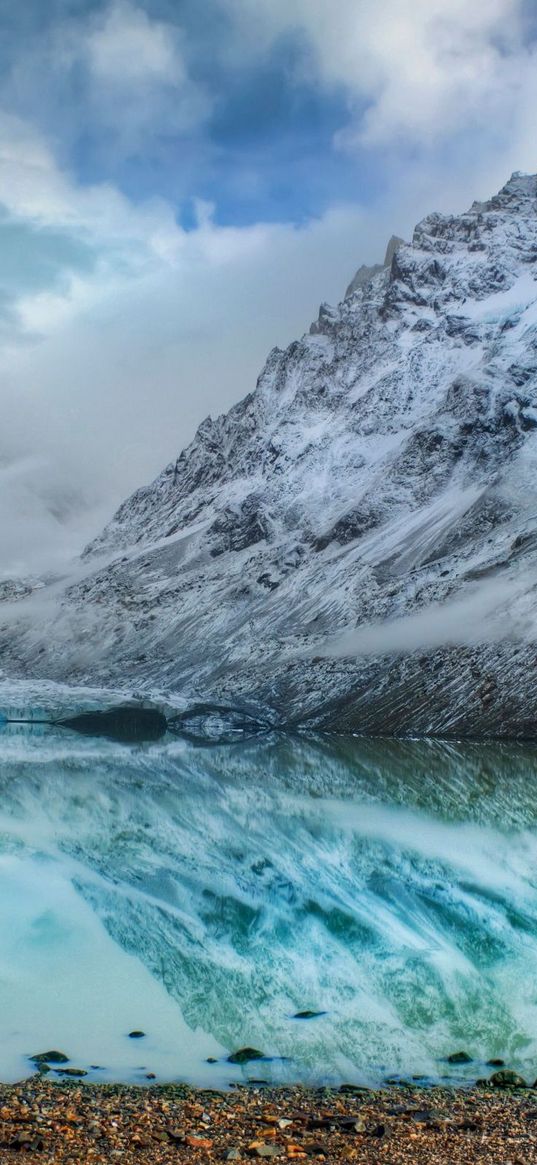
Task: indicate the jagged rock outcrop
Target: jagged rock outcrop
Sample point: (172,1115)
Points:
(365,274)
(377,489)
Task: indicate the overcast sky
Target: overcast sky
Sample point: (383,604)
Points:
(183,181)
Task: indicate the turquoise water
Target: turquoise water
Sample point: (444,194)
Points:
(206,895)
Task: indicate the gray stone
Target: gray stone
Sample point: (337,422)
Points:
(505,1078)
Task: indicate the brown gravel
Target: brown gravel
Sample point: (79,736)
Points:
(71,1123)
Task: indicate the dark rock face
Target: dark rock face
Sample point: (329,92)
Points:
(125,724)
(349,528)
(354,545)
(239,529)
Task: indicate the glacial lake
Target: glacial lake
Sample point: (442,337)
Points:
(205,896)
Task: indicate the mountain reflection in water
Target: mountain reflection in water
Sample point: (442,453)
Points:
(205,896)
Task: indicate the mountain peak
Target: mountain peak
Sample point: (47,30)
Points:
(518,196)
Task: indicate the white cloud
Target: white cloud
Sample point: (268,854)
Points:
(413,70)
(126,49)
(139,81)
(441,95)
(165,324)
(126,356)
(136,86)
(34,188)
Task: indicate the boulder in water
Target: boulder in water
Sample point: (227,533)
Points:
(244,1056)
(505,1078)
(70,1072)
(52,1057)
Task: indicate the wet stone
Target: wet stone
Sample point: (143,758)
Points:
(244,1055)
(505,1078)
(53,1057)
(70,1072)
(459,1058)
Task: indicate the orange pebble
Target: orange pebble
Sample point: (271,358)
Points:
(198,1143)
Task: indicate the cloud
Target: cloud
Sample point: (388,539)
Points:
(484,613)
(139,83)
(121,328)
(414,71)
(42,514)
(67,247)
(119,348)
(125,49)
(428,65)
(112,74)
(440,96)
(34,188)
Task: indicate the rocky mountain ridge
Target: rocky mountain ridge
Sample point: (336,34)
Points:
(353,545)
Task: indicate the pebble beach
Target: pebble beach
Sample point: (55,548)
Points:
(67,1123)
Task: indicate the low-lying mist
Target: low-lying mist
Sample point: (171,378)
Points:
(486,612)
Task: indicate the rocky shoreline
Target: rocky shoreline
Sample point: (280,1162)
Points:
(66,1123)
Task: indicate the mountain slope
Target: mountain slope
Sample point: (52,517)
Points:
(373,501)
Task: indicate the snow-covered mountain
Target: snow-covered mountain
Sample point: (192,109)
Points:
(355,543)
